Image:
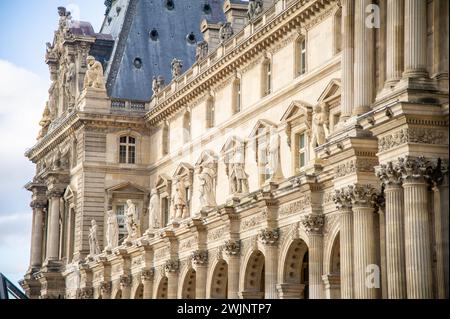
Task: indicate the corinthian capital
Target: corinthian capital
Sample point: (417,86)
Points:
(363,195)
(38,204)
(172,265)
(147,274)
(269,236)
(105,287)
(232,247)
(389,174)
(86,293)
(342,199)
(414,168)
(125,281)
(312,223)
(200,257)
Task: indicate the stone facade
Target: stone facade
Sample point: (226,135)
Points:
(293,160)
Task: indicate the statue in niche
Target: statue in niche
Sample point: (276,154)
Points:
(179,203)
(201,51)
(94,74)
(157,84)
(52,104)
(70,82)
(238,178)
(112,231)
(132,220)
(177,65)
(94,247)
(255,8)
(153,209)
(207,177)
(319,126)
(225,31)
(273,167)
(45,122)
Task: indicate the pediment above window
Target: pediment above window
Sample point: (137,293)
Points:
(298,114)
(163,184)
(331,92)
(127,188)
(262,126)
(185,171)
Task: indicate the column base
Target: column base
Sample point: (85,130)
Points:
(31,286)
(52,284)
(332,284)
(291,291)
(251,295)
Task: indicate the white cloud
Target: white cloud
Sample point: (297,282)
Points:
(22,99)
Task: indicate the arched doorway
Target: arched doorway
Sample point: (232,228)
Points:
(139,292)
(332,278)
(295,272)
(162,289)
(254,285)
(219,281)
(188,288)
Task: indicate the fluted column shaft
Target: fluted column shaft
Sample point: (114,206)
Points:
(53,228)
(395,244)
(440,276)
(37,236)
(315,251)
(364,60)
(364,250)
(148,288)
(443,190)
(346,249)
(233,277)
(419,283)
(200,281)
(271,266)
(382,222)
(415,39)
(394,41)
(348,18)
(172,284)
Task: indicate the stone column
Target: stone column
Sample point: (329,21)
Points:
(415,39)
(395,241)
(147,277)
(232,249)
(200,261)
(364,60)
(172,268)
(313,225)
(269,238)
(53,225)
(348,19)
(344,206)
(419,275)
(364,241)
(37,234)
(394,41)
(443,189)
(125,286)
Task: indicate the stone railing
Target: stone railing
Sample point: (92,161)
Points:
(126,105)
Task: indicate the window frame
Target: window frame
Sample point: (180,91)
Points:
(130,148)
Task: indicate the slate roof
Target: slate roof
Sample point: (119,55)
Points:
(131,28)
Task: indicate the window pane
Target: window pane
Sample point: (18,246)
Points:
(131,140)
(131,155)
(123,154)
(123,139)
(302,160)
(302,141)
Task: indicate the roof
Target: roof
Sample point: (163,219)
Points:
(148,36)
(8,290)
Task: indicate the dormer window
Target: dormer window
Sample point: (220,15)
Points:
(127,150)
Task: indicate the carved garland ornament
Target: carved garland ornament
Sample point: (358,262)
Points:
(412,135)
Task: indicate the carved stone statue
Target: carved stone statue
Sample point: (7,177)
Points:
(177,65)
(112,231)
(225,32)
(70,82)
(132,222)
(201,51)
(207,178)
(319,126)
(237,176)
(94,74)
(94,248)
(255,8)
(273,167)
(52,100)
(154,211)
(45,122)
(157,84)
(179,203)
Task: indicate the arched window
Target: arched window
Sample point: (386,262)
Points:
(127,150)
(210,113)
(186,127)
(267,77)
(165,139)
(237,96)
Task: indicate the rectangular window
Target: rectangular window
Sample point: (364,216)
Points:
(238,97)
(131,154)
(165,211)
(120,212)
(123,154)
(269,78)
(301,150)
(303,56)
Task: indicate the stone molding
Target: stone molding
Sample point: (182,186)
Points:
(313,223)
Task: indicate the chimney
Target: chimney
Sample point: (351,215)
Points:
(210,32)
(236,13)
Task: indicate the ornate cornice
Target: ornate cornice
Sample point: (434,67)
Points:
(312,223)
(232,247)
(415,135)
(269,237)
(200,257)
(361,165)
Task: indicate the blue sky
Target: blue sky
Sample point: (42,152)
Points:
(25,27)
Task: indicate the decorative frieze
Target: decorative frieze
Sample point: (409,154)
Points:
(412,135)
(269,236)
(161,253)
(232,247)
(361,165)
(312,223)
(295,207)
(200,257)
(188,243)
(216,233)
(253,221)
